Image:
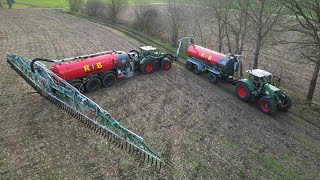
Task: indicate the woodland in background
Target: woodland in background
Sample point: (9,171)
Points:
(276,30)
(245,27)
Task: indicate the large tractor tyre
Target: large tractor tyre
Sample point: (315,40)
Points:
(213,78)
(136,53)
(93,84)
(196,69)
(287,104)
(78,85)
(147,67)
(168,56)
(166,64)
(243,91)
(108,80)
(267,105)
(189,65)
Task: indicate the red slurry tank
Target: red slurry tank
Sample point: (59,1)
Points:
(90,72)
(91,65)
(204,54)
(203,60)
(220,63)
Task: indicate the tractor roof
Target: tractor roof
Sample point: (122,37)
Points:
(259,72)
(148,48)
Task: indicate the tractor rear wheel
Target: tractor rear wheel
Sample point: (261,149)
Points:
(93,84)
(267,105)
(147,67)
(166,64)
(78,85)
(242,91)
(196,69)
(189,65)
(108,80)
(213,78)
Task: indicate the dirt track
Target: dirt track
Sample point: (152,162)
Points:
(206,132)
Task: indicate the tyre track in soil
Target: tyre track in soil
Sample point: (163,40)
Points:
(147,41)
(290,120)
(230,120)
(19,48)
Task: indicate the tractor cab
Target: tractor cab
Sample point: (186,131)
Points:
(149,51)
(259,77)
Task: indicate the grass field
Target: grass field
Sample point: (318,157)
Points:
(44,3)
(63,3)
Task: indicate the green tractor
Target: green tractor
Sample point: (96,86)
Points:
(258,88)
(150,59)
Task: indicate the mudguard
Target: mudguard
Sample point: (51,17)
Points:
(249,83)
(143,60)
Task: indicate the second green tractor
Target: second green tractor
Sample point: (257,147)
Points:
(258,88)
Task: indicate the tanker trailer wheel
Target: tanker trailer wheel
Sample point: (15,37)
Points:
(196,69)
(108,80)
(166,64)
(189,65)
(213,78)
(147,67)
(242,91)
(78,84)
(93,84)
(267,105)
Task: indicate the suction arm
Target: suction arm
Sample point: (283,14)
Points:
(39,59)
(180,44)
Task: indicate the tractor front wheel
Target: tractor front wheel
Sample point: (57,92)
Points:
(108,80)
(93,84)
(166,64)
(242,91)
(189,65)
(147,67)
(267,105)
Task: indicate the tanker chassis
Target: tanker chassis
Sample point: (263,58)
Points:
(90,72)
(218,65)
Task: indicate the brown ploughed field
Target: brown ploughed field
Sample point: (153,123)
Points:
(203,131)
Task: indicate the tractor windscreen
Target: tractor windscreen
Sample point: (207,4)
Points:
(267,79)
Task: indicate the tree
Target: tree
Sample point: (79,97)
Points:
(176,20)
(75,5)
(10,3)
(264,14)
(95,8)
(114,7)
(147,19)
(238,24)
(307,16)
(199,24)
(221,12)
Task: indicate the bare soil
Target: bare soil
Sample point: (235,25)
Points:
(279,59)
(204,131)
